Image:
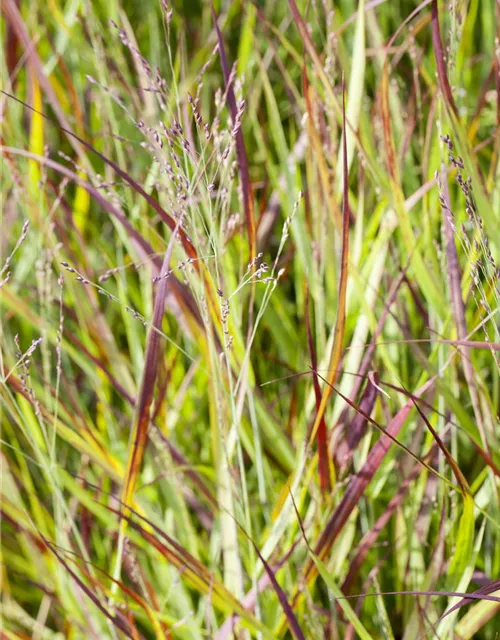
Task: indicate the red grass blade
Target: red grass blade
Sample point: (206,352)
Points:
(365,363)
(161,629)
(319,156)
(225,631)
(139,436)
(485,455)
(359,482)
(440,63)
(290,616)
(241,154)
(287,609)
(128,630)
(370,537)
(191,568)
(324,466)
(341,310)
(390,150)
(480,594)
(473,344)
(356,429)
(16,22)
(461,481)
(141,423)
(144,248)
(177,456)
(11,48)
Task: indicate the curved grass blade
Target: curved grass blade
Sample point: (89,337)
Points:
(140,429)
(143,247)
(477,616)
(117,621)
(470,597)
(332,585)
(154,204)
(193,571)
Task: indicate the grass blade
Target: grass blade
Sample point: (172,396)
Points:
(339,330)
(323,457)
(139,435)
(241,153)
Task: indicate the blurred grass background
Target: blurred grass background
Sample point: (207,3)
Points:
(249,336)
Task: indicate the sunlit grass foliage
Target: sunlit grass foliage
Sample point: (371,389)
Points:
(249,319)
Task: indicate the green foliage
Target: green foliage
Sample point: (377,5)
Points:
(191,218)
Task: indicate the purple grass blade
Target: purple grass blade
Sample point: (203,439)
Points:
(241,154)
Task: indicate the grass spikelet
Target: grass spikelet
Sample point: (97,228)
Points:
(250,320)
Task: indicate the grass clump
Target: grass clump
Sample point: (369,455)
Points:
(249,334)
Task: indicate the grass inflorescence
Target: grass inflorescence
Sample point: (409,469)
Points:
(249,320)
